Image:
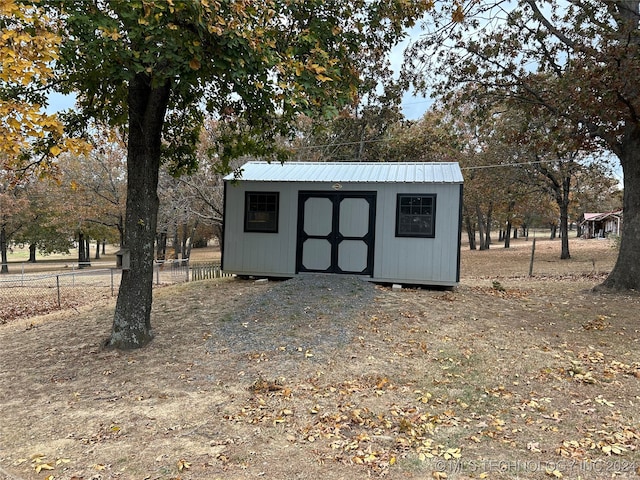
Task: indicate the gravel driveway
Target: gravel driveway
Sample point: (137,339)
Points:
(306,315)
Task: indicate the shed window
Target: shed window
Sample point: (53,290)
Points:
(261,212)
(416,215)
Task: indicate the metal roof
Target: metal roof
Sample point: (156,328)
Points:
(354,172)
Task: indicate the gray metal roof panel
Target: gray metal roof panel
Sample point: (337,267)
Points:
(354,172)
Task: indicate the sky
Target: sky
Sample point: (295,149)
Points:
(59,102)
(413,106)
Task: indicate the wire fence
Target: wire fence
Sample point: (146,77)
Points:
(27,294)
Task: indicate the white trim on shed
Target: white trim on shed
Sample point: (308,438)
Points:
(391,222)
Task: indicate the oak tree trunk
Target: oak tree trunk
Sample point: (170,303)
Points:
(87,251)
(480,226)
(161,246)
(626,272)
(507,235)
(83,253)
(147,108)
(471,232)
(487,228)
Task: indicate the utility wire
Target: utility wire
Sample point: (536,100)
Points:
(518,164)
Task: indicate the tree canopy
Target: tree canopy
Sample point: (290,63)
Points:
(29,49)
(155,67)
(574,59)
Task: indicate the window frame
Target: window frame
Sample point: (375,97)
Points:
(251,226)
(399,215)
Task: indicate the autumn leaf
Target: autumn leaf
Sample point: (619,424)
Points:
(55,150)
(534,447)
(451,453)
(458,14)
(183,465)
(553,473)
(43,466)
(602,401)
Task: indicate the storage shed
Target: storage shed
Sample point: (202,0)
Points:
(390,222)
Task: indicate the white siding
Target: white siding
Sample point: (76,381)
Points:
(418,260)
(253,253)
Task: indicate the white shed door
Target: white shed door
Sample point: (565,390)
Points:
(336,232)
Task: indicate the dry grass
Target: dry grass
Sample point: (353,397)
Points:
(506,376)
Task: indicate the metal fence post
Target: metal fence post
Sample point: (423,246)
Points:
(58,288)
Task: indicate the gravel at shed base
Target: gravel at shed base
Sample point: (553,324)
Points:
(308,313)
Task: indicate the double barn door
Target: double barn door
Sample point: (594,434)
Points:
(336,232)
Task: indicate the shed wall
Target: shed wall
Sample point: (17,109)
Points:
(255,253)
(396,259)
(418,260)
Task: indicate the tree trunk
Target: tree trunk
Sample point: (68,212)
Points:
(82,252)
(217,229)
(471,232)
(161,246)
(487,228)
(480,227)
(507,235)
(189,245)
(177,248)
(3,250)
(121,230)
(186,251)
(87,259)
(147,107)
(626,272)
(32,252)
(564,217)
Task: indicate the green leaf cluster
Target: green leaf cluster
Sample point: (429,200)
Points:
(255,64)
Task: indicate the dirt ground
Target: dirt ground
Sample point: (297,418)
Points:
(505,376)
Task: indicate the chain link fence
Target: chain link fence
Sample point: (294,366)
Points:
(27,294)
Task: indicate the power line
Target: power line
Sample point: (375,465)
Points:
(517,164)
